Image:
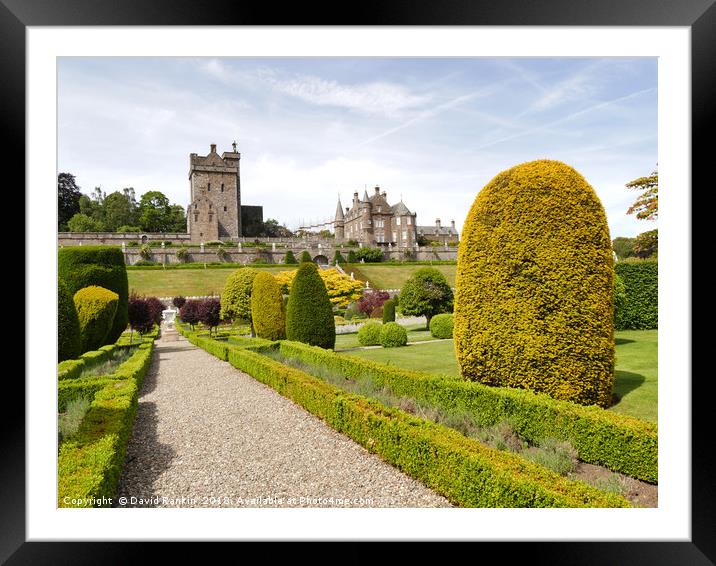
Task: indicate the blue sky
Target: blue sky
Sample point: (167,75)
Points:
(433,130)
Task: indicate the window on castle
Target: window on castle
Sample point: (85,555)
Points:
(407,220)
(208,186)
(405,235)
(395,236)
(222,190)
(196,217)
(397,221)
(224,209)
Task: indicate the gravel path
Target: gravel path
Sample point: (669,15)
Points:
(208,435)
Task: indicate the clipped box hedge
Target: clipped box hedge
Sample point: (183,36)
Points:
(641,282)
(465,471)
(90,461)
(618,442)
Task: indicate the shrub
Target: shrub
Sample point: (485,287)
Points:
(267,310)
(309,314)
(371,300)
(369,255)
(178,302)
(290,259)
(393,335)
(141,317)
(182,254)
(145,252)
(189,312)
(208,313)
(641,286)
(82,266)
(69,342)
(352,257)
(338,258)
(236,297)
(534,305)
(426,293)
(222,254)
(369,334)
(305,256)
(620,298)
(96,307)
(389,310)
(126,229)
(441,325)
(342,290)
(155,307)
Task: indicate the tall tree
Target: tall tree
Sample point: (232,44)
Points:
(646,244)
(68,199)
(623,247)
(177,218)
(646,206)
(154,212)
(120,209)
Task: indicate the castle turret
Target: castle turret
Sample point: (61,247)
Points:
(339,223)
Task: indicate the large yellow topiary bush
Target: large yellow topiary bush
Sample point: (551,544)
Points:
(534,286)
(96,308)
(267,308)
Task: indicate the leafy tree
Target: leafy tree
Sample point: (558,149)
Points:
(326,234)
(178,302)
(272,229)
(236,296)
(338,258)
(189,312)
(156,307)
(352,257)
(154,212)
(209,313)
(371,301)
(120,209)
(646,244)
(68,199)
(83,223)
(140,315)
(646,206)
(426,293)
(177,218)
(342,290)
(369,255)
(623,247)
(128,229)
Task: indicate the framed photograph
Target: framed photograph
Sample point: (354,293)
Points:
(256,142)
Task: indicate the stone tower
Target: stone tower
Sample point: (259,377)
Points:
(339,223)
(215,178)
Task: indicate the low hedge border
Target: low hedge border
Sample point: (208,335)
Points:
(620,443)
(220,349)
(90,461)
(465,471)
(71,369)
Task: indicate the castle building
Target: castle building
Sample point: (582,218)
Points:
(372,221)
(215,212)
(438,233)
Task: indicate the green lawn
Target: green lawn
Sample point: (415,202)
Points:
(393,276)
(344,341)
(635,377)
(186,282)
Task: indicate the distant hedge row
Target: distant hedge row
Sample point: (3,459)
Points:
(641,281)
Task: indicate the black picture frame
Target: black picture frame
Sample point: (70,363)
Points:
(698,15)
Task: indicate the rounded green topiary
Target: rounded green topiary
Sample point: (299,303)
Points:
(96,308)
(309,314)
(534,304)
(369,334)
(290,259)
(441,326)
(267,310)
(82,266)
(426,293)
(392,335)
(389,311)
(236,296)
(69,342)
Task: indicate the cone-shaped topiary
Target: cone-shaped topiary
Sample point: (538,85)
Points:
(267,310)
(441,326)
(389,311)
(534,286)
(236,296)
(305,256)
(68,325)
(82,266)
(338,257)
(290,259)
(96,307)
(309,315)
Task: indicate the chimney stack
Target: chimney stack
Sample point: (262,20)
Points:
(377,190)
(453,224)
(384,194)
(213,148)
(437,223)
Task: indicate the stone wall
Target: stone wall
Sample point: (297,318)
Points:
(116,239)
